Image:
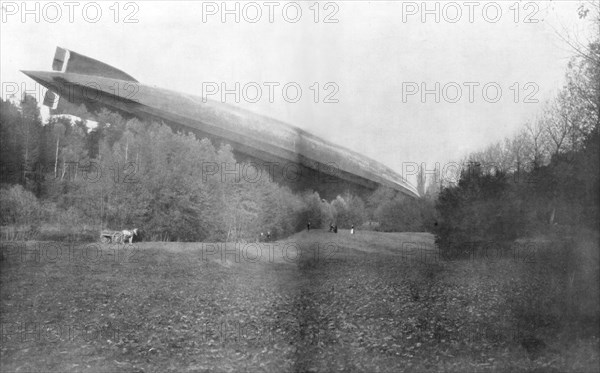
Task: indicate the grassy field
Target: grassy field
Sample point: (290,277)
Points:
(372,302)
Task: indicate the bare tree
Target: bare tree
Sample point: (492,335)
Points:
(518,150)
(535,132)
(557,124)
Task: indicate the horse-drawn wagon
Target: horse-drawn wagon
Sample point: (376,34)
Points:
(107,236)
(111,237)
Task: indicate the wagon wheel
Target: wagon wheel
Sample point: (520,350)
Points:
(118,238)
(104,239)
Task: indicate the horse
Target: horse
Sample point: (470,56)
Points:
(129,234)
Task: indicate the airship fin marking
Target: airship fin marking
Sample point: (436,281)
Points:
(51,100)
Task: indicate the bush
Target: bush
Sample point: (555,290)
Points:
(19,206)
(391,211)
(349,210)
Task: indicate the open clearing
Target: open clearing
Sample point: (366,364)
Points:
(364,303)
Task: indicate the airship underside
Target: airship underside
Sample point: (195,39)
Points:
(316,163)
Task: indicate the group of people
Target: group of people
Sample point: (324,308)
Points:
(264,237)
(332,228)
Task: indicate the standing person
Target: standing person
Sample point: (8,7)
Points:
(331,226)
(352,229)
(268,235)
(308,226)
(335,228)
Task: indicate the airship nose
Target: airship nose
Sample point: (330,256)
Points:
(30,73)
(38,76)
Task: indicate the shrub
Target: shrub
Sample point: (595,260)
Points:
(19,206)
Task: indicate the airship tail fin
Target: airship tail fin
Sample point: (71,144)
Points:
(67,61)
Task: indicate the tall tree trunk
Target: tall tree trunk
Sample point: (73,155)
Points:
(26,156)
(56,156)
(64,169)
(101,206)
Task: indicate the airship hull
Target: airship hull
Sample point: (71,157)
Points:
(287,154)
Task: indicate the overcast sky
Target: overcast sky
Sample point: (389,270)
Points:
(374,51)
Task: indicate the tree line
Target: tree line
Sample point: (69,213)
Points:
(543,180)
(65,178)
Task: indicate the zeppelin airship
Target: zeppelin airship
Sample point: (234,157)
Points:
(292,156)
